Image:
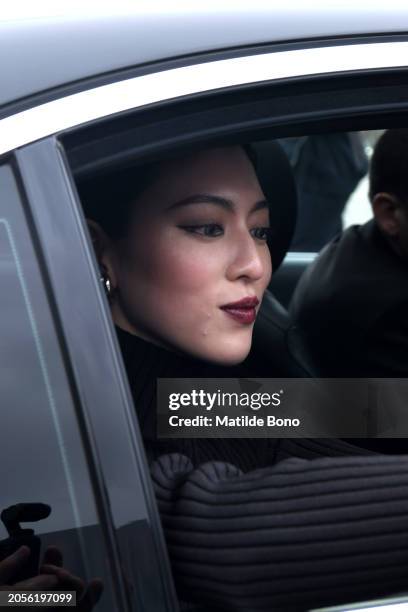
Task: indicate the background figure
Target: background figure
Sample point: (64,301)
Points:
(327,169)
(351,303)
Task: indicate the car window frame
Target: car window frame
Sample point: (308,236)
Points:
(198,76)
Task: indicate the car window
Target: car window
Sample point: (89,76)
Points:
(331,174)
(106,191)
(328,170)
(42,460)
(104,146)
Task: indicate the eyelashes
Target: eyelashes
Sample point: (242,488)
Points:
(261,233)
(214,230)
(210,230)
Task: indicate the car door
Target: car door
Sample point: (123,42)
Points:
(43,448)
(88,403)
(279,91)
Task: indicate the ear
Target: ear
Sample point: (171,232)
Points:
(386,209)
(104,251)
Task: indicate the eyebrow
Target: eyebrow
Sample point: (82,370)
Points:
(206,198)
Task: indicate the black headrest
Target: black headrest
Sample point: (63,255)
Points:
(279,186)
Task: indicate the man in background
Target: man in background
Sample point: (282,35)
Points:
(351,304)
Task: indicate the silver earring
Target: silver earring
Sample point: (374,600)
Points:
(104,278)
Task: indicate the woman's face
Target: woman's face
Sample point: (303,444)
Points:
(191,272)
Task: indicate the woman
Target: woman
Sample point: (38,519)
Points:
(250,525)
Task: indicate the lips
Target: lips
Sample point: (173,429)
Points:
(243,311)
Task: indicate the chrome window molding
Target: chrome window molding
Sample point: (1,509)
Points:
(77,109)
(300,257)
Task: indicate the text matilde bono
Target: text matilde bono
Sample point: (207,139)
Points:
(226,421)
(206,400)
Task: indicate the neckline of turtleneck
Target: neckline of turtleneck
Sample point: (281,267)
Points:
(133,346)
(145,362)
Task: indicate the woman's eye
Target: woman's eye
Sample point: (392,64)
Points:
(210,230)
(261,233)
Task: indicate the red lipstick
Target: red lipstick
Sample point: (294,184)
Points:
(242,311)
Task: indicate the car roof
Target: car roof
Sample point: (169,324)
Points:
(45,44)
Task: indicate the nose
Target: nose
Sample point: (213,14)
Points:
(250,260)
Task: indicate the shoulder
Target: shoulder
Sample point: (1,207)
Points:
(345,276)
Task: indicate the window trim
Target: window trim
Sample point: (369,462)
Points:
(77,109)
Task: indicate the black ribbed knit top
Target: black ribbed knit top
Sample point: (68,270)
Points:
(271,525)
(145,363)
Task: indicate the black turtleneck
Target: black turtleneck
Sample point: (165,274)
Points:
(145,363)
(284,526)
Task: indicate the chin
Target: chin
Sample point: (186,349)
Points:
(228,355)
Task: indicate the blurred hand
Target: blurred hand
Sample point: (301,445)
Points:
(52,577)
(13,564)
(87,595)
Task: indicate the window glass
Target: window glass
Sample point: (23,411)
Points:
(331,177)
(41,456)
(331,174)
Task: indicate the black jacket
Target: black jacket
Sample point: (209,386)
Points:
(351,306)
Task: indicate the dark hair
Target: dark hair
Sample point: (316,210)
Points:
(389,164)
(108,198)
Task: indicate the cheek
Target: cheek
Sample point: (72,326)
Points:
(180,290)
(267,269)
(170,273)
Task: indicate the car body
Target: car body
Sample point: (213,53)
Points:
(83,90)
